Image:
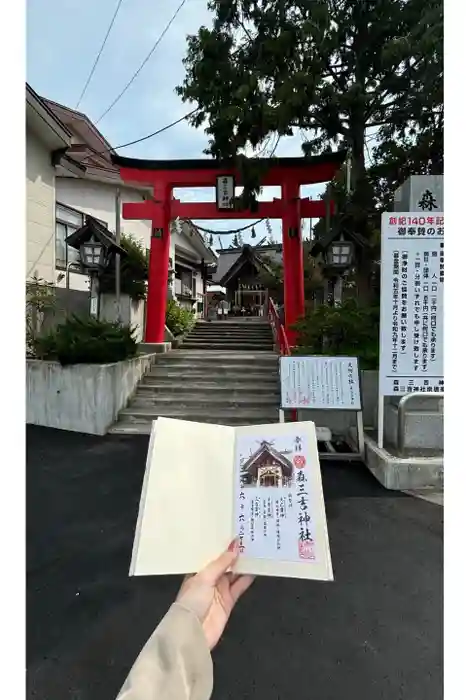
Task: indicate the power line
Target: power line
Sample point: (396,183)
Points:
(143,138)
(167,27)
(99,53)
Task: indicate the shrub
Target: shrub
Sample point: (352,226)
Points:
(177,319)
(134,270)
(349,329)
(40,298)
(86,340)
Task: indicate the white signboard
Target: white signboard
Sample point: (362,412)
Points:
(94,306)
(225,191)
(411,304)
(320,383)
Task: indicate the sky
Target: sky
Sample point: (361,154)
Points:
(63,39)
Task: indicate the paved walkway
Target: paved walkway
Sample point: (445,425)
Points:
(374,633)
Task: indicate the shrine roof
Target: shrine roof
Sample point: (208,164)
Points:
(336,157)
(230,256)
(267,448)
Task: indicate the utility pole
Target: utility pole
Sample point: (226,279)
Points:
(117,256)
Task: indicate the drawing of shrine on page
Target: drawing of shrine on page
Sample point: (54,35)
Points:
(273,511)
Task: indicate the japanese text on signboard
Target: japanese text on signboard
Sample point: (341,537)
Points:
(411,337)
(320,382)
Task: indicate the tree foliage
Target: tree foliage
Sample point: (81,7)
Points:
(273,280)
(40,298)
(134,270)
(338,71)
(348,329)
(178,319)
(335,69)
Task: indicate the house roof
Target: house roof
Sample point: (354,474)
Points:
(96,149)
(193,235)
(44,122)
(90,147)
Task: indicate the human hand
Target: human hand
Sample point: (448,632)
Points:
(213,592)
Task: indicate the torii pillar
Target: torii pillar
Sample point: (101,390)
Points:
(293,258)
(159,258)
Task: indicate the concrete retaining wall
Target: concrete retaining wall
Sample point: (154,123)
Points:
(81,398)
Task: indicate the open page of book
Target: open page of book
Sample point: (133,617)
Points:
(186,509)
(279,511)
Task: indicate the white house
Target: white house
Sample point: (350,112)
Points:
(189,256)
(94,192)
(70,175)
(90,192)
(47,140)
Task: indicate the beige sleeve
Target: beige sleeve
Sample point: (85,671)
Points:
(175,663)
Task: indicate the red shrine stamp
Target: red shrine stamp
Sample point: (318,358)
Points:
(299,461)
(306,549)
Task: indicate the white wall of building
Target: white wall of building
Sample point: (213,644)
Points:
(40,210)
(98,199)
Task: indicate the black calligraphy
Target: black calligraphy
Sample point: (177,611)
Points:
(427,201)
(241,519)
(304,518)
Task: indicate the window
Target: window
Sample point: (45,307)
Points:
(67,221)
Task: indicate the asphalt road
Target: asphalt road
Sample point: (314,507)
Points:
(375,633)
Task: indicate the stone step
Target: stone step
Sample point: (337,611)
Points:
(227,339)
(253,337)
(266,343)
(217,373)
(183,354)
(232,324)
(235,385)
(125,427)
(263,330)
(219,415)
(210,359)
(223,374)
(424,428)
(230,345)
(193,402)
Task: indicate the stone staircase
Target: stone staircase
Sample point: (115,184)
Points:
(226,372)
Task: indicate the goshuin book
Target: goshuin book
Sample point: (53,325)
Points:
(206,484)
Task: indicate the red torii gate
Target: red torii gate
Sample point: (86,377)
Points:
(165,175)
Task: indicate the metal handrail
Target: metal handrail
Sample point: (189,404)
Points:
(281,341)
(402,414)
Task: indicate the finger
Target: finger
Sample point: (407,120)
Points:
(240,586)
(219,566)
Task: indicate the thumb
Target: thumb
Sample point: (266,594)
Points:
(220,566)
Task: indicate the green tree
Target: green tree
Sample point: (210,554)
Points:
(335,69)
(273,280)
(134,270)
